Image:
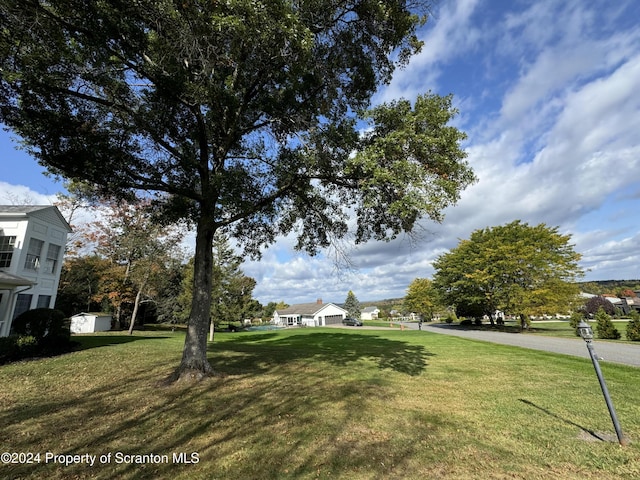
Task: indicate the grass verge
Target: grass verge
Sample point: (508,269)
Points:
(318,403)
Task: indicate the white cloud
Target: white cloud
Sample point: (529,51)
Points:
(23,195)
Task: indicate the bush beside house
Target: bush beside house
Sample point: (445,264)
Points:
(37,332)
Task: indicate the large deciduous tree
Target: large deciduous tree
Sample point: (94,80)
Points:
(243,116)
(516,268)
(421,298)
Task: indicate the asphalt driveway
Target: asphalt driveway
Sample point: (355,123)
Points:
(607,351)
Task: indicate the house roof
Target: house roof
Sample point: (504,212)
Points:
(369,309)
(305,308)
(27,210)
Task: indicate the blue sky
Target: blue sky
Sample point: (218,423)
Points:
(548,94)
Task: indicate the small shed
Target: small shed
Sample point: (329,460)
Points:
(90,322)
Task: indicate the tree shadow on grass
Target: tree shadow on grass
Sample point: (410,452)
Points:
(259,352)
(95,341)
(314,424)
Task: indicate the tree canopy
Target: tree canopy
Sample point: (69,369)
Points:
(517,268)
(243,116)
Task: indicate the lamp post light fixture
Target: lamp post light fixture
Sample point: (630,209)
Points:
(587,335)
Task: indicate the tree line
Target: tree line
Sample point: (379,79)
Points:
(126,263)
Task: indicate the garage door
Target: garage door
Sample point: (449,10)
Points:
(333,320)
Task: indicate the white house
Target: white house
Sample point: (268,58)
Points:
(316,314)
(369,313)
(32,242)
(90,322)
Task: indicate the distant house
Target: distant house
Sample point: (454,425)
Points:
(32,241)
(629,304)
(369,313)
(316,314)
(90,322)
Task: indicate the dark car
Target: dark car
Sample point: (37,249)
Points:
(352,322)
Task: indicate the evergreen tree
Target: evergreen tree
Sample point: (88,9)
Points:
(352,306)
(604,326)
(633,327)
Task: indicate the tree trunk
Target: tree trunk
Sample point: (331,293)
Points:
(135,311)
(194,364)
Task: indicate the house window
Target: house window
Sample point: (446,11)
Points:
(53,252)
(7,244)
(44,301)
(23,303)
(33,254)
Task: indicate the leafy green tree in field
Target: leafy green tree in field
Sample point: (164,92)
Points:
(516,268)
(242,116)
(352,306)
(604,326)
(421,298)
(633,327)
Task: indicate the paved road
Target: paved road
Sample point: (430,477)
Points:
(609,352)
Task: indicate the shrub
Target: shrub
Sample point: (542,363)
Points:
(466,322)
(48,329)
(576,318)
(604,326)
(633,327)
(16,347)
(41,323)
(451,317)
(8,348)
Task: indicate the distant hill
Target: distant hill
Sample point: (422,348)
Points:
(599,287)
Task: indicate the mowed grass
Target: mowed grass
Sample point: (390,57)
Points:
(320,403)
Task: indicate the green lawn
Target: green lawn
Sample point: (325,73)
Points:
(319,403)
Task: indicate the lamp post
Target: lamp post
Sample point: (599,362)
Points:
(587,335)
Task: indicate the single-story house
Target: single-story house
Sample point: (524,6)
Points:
(369,313)
(90,322)
(316,314)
